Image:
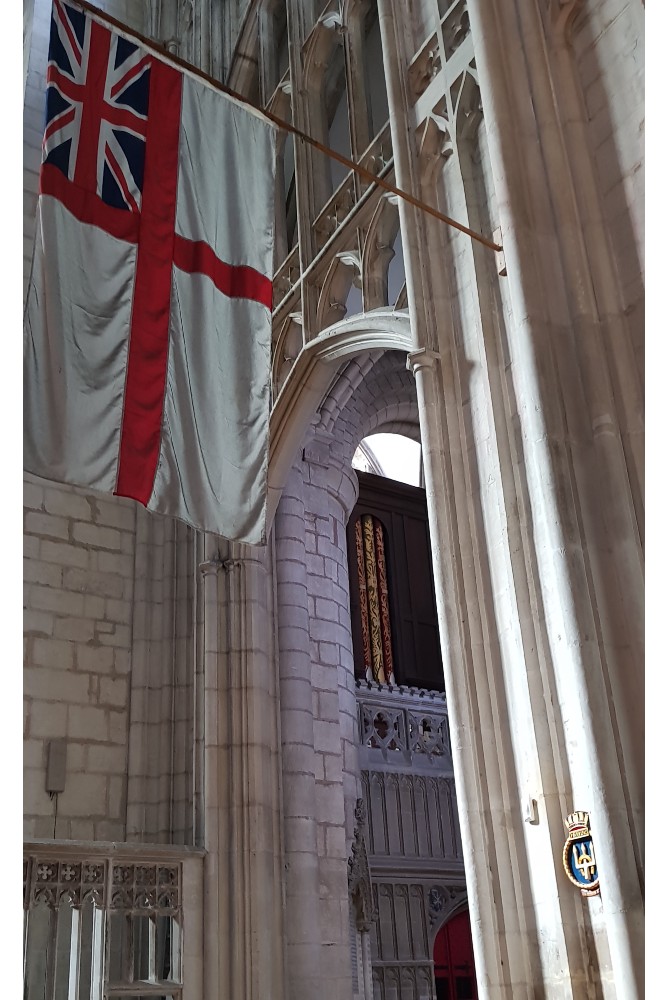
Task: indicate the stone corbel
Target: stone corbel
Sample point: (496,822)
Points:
(332,19)
(279,105)
(185,17)
(351,259)
(171,45)
(327,32)
(331,307)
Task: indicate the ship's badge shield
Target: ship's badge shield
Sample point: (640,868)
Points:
(579,858)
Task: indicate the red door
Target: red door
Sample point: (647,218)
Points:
(454,965)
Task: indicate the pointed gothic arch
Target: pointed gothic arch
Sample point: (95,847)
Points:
(310,377)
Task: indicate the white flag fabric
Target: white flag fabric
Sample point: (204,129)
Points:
(148,319)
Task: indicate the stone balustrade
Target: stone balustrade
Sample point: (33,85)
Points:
(401,725)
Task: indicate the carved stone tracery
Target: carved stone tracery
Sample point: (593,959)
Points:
(53,882)
(125,886)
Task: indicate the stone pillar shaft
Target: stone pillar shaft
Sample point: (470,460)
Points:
(562,496)
(212,901)
(482,878)
(243,898)
(330,492)
(561,543)
(302,891)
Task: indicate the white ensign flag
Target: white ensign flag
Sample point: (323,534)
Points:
(148,321)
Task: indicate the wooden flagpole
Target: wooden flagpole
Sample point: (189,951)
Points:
(287,126)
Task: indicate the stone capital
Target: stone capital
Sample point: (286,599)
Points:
(216,564)
(211,566)
(421,358)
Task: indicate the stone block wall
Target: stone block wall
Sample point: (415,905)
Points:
(79,578)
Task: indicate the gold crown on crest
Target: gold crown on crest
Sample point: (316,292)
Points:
(577,823)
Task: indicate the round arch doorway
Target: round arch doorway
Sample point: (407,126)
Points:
(453,960)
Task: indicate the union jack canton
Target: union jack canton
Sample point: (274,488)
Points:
(96,108)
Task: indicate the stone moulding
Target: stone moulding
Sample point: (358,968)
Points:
(309,380)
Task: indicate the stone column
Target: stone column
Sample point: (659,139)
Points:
(506,679)
(329,495)
(576,472)
(619,418)
(499,955)
(243,898)
(307,162)
(302,889)
(211,794)
(572,665)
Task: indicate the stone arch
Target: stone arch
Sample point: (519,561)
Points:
(386,398)
(453,956)
(454,901)
(312,376)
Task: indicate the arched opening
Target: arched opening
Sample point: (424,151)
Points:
(386,710)
(395,634)
(453,961)
(393,456)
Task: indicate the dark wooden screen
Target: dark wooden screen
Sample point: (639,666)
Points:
(401,509)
